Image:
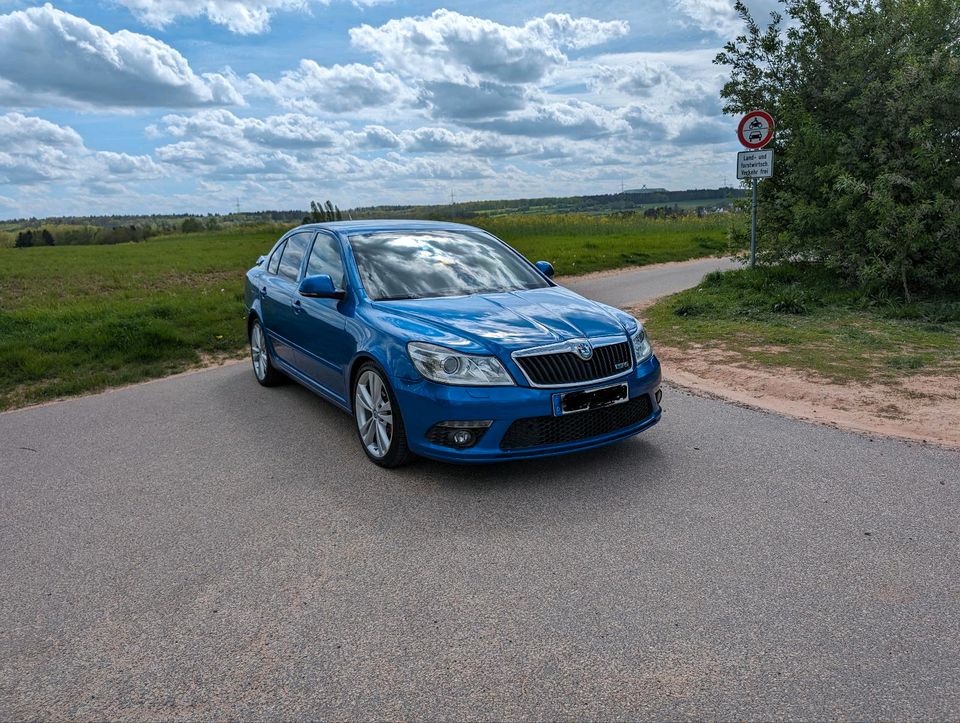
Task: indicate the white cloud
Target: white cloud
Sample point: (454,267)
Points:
(712,16)
(464,49)
(374,137)
(240,16)
(291,130)
(33,150)
(573,119)
(123,164)
(639,78)
(486,99)
(36,151)
(336,89)
(245,17)
(216,144)
(443,140)
(48,56)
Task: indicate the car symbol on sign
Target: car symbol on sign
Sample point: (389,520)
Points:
(755,136)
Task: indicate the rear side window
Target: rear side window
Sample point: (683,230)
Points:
(325,259)
(293,255)
(275,259)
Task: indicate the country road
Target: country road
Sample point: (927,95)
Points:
(202,547)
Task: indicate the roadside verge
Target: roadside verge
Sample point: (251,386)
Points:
(798,343)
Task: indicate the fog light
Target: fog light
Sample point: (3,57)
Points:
(659,394)
(459,433)
(462,438)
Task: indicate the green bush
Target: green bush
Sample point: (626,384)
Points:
(866,96)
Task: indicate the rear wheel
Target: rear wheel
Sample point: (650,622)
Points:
(260,356)
(379,422)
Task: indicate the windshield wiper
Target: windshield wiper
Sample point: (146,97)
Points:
(398,297)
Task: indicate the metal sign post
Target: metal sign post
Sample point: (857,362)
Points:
(755,131)
(753,225)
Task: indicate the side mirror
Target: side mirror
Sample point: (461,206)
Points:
(320,287)
(546,268)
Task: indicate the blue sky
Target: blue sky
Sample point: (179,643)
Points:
(163,106)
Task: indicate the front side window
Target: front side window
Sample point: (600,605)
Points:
(420,264)
(293,255)
(325,259)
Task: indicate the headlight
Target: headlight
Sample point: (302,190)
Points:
(641,345)
(439,364)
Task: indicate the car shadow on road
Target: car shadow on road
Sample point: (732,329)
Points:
(632,463)
(634,459)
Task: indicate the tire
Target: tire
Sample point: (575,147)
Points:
(263,368)
(378,420)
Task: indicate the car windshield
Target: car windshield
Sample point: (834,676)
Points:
(419,264)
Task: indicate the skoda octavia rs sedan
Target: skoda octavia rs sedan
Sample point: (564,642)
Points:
(442,341)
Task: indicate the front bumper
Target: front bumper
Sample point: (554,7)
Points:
(424,404)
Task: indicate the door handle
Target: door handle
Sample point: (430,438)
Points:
(263,292)
(297,306)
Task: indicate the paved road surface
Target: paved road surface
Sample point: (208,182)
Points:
(201,547)
(641,285)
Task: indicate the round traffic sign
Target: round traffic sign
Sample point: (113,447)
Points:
(756,129)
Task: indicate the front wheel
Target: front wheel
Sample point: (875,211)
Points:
(260,356)
(379,423)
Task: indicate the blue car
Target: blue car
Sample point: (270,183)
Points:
(442,341)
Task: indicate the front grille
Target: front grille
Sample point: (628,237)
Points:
(541,431)
(568,368)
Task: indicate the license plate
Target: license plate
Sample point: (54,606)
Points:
(571,402)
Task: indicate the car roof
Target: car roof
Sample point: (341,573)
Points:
(372,225)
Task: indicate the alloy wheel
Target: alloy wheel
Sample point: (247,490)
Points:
(374,413)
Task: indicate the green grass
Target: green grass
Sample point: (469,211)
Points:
(806,319)
(75,319)
(81,318)
(580,243)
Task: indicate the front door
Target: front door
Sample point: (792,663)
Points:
(280,297)
(326,346)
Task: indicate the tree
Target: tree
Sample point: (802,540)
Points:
(47,238)
(866,95)
(24,239)
(321,212)
(191,225)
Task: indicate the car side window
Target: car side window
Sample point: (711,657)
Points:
(325,259)
(274,263)
(293,255)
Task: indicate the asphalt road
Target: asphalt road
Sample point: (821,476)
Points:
(201,547)
(642,285)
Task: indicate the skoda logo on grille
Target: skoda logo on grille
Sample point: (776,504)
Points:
(584,350)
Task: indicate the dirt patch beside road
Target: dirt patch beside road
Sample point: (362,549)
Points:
(923,408)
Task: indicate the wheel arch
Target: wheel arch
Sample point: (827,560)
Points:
(358,361)
(252,316)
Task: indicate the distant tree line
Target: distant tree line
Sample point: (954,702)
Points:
(81,235)
(600,203)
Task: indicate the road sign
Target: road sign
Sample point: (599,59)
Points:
(755,129)
(755,164)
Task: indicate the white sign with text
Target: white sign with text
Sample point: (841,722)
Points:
(755,164)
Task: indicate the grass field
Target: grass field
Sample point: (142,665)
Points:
(806,319)
(80,318)
(580,243)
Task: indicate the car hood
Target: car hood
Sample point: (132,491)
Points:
(516,319)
